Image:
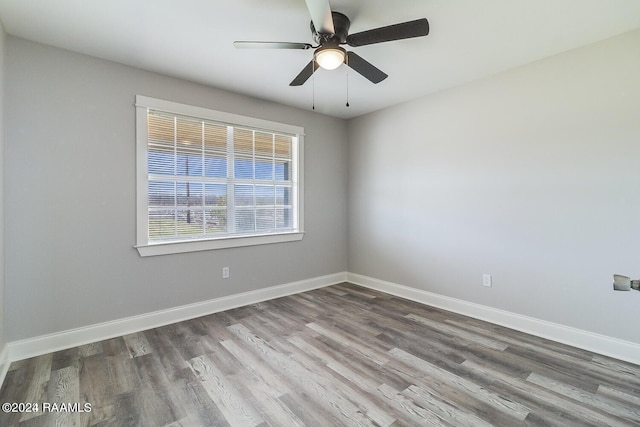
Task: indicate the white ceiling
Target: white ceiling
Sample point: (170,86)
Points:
(192,39)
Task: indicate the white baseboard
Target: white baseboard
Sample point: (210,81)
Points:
(36,346)
(601,344)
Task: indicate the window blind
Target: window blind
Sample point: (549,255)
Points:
(210,179)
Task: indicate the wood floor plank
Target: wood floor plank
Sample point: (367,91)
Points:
(90,349)
(314,384)
(514,409)
(64,387)
(124,411)
(341,355)
(122,373)
(333,356)
(224,394)
(620,395)
(336,291)
(190,394)
(417,414)
(602,403)
(41,368)
(459,333)
(96,388)
(164,349)
(333,364)
(65,358)
(186,344)
(13,390)
(363,401)
(268,403)
(258,369)
(444,410)
(351,342)
(157,406)
(309,307)
(454,395)
(305,408)
(137,344)
(114,347)
(546,398)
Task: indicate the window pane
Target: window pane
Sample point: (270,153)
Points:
(161,224)
(215,138)
(215,166)
(243,168)
(283,146)
(264,169)
(245,220)
(243,195)
(161,162)
(189,165)
(283,218)
(189,194)
(189,222)
(283,196)
(189,133)
(283,170)
(264,195)
(264,144)
(188,147)
(265,219)
(161,193)
(160,128)
(242,141)
(216,221)
(215,194)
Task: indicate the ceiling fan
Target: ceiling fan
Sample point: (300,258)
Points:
(330,30)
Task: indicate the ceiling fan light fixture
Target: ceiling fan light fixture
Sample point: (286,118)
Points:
(330,57)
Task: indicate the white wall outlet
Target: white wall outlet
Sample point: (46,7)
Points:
(486,280)
(225,272)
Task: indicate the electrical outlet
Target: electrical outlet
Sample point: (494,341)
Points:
(225,272)
(486,280)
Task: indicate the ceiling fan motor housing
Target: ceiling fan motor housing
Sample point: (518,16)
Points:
(341,26)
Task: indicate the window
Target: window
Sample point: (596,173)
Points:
(210,180)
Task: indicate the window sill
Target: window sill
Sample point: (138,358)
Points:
(166,248)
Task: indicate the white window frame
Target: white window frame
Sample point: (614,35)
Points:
(146,247)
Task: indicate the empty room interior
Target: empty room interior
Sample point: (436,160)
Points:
(206,221)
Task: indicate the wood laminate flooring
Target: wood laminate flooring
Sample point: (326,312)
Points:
(341,355)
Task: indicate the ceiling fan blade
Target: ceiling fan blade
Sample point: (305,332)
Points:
(320,12)
(405,30)
(304,75)
(373,74)
(270,45)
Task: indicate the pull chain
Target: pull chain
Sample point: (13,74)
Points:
(313,85)
(347,88)
(347,80)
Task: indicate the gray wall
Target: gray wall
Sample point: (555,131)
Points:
(3,339)
(532,176)
(70,197)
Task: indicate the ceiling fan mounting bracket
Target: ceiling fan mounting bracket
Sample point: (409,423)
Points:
(341,26)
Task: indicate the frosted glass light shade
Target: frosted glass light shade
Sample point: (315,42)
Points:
(330,57)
